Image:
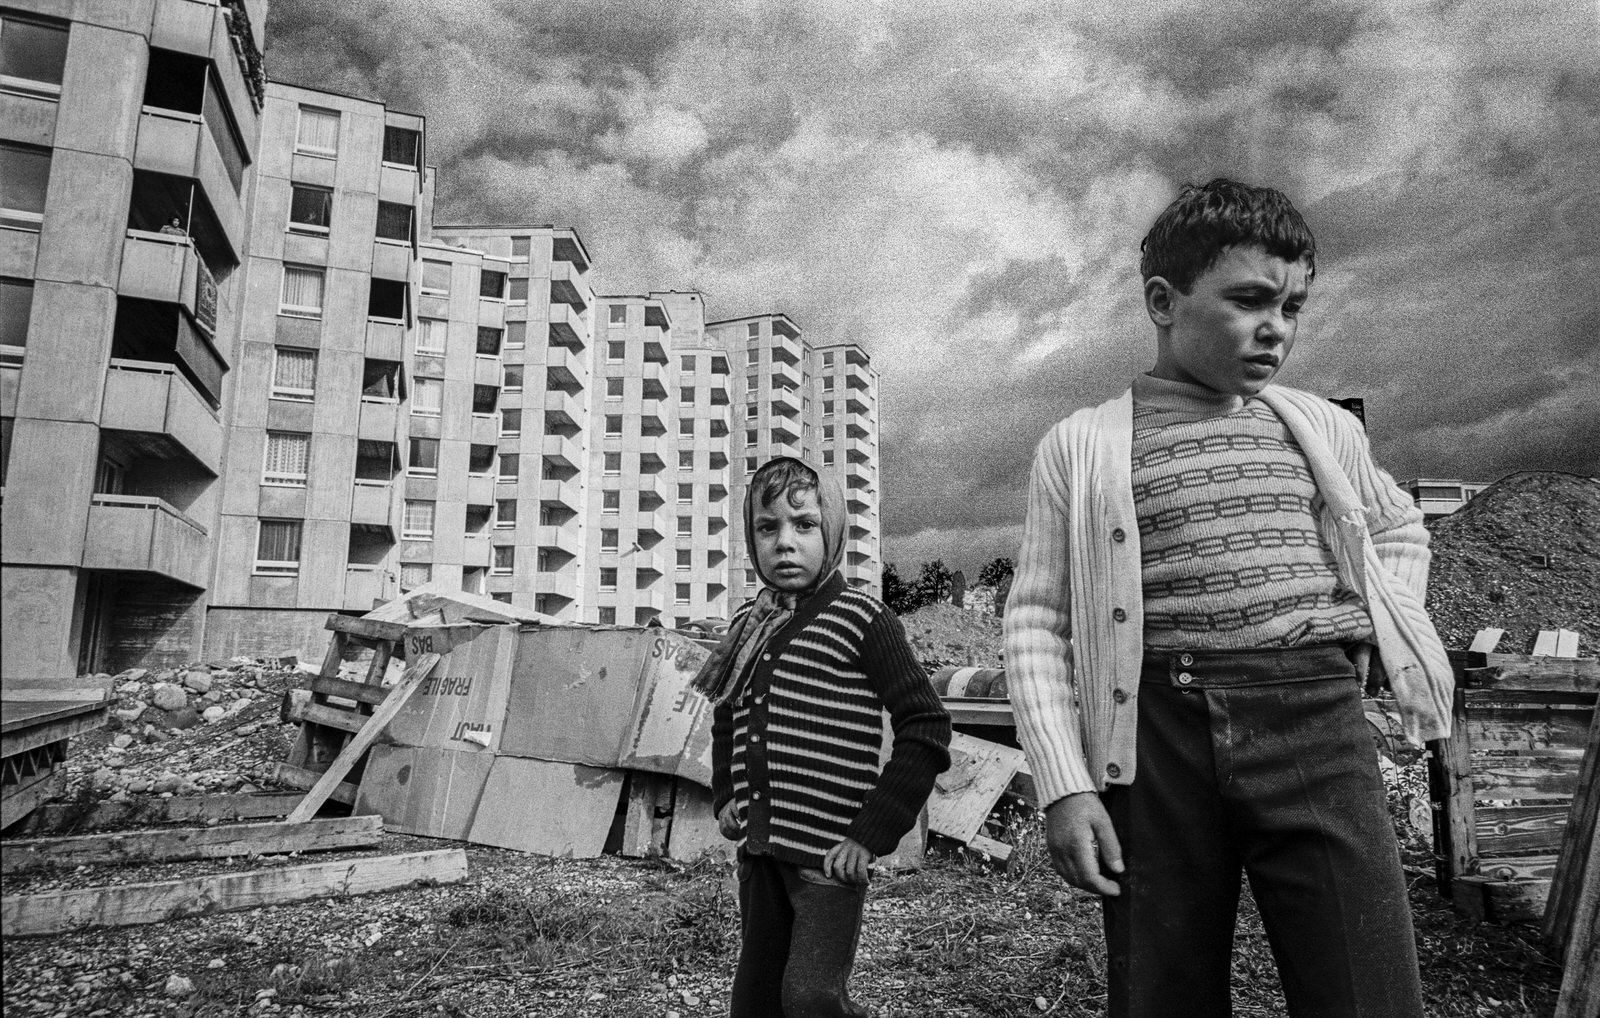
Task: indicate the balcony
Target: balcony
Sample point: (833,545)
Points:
(563,411)
(366,587)
(155,399)
(563,493)
(563,451)
(716,491)
(858,450)
(558,538)
(564,370)
(786,402)
(561,583)
(785,377)
(567,285)
(651,420)
(139,534)
(856,402)
(859,500)
(856,377)
(719,394)
(649,564)
(379,421)
(648,528)
(653,451)
(487,369)
(784,353)
(477,552)
(166,268)
(377,505)
(860,574)
(567,328)
(386,339)
(655,352)
(857,475)
(391,260)
(179,144)
(782,326)
(784,434)
(856,429)
(566,246)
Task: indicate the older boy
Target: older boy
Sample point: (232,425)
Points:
(800,682)
(1206,561)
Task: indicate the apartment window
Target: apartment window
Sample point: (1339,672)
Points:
(417,523)
(505,560)
(278,548)
(401,145)
(414,575)
(424,458)
(310,209)
(286,459)
(505,512)
(617,314)
(26,172)
(520,247)
(608,580)
(608,539)
(827,457)
(685,526)
(685,494)
(616,351)
(318,132)
(510,422)
(387,300)
(749,577)
(480,458)
(686,427)
(489,341)
(516,335)
(394,222)
(484,399)
(752,411)
(613,425)
(608,617)
(613,464)
(513,378)
(685,558)
(294,373)
(686,363)
(302,292)
(719,365)
(752,437)
(435,277)
(686,459)
(509,462)
(753,330)
(430,335)
(750,464)
(827,408)
(680,593)
(613,388)
(610,502)
(686,395)
(827,385)
(827,359)
(751,384)
(492,284)
(517,291)
(16,306)
(380,380)
(33,55)
(541,563)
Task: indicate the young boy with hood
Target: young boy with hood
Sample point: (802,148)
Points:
(800,684)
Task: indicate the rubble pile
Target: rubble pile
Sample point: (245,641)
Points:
(1522,556)
(942,634)
(186,731)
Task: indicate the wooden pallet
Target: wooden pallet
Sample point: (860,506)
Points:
(1572,920)
(1503,784)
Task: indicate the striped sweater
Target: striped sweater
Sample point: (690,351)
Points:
(798,751)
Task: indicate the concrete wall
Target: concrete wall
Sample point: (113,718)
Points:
(265,632)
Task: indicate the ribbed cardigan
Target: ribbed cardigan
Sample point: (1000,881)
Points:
(1074,621)
(799,751)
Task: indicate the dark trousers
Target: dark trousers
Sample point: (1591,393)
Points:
(799,930)
(1258,761)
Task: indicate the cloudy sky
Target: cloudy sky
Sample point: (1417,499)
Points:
(961,188)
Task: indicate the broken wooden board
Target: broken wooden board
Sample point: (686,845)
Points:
(964,795)
(557,809)
(426,791)
(302,777)
(19,800)
(161,901)
(173,845)
(1575,875)
(66,818)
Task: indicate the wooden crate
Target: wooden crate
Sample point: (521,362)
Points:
(1503,784)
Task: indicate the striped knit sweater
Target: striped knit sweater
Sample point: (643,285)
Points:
(1228,542)
(798,751)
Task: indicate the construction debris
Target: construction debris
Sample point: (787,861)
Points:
(72,817)
(37,721)
(173,845)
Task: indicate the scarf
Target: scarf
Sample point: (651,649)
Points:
(727,670)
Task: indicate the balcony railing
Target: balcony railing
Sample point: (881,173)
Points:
(178,144)
(156,399)
(377,504)
(567,327)
(136,533)
(365,587)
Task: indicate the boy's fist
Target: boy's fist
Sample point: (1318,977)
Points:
(849,861)
(1083,847)
(728,823)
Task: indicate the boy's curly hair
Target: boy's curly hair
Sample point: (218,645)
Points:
(1205,220)
(786,477)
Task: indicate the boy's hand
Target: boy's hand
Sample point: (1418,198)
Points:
(849,861)
(728,823)
(1083,846)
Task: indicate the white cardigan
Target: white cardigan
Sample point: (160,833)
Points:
(1074,621)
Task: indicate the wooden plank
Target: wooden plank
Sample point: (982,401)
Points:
(972,712)
(172,845)
(1521,867)
(1501,901)
(30,793)
(342,764)
(1565,675)
(1583,823)
(1544,645)
(162,901)
(1486,640)
(999,851)
(302,777)
(963,795)
(77,694)
(366,629)
(1580,982)
(361,692)
(1450,780)
(1566,643)
(333,717)
(1524,777)
(1503,830)
(62,818)
(1528,729)
(85,718)
(649,800)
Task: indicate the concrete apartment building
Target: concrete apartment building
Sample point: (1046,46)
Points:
(117,327)
(304,397)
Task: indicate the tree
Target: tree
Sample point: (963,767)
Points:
(992,574)
(934,584)
(897,593)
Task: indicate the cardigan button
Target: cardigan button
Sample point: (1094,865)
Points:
(1118,536)
(1120,696)
(1119,615)
(1113,771)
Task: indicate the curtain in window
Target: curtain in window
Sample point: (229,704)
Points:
(319,130)
(287,454)
(419,519)
(430,334)
(310,206)
(295,369)
(415,574)
(427,395)
(504,556)
(425,453)
(278,541)
(302,288)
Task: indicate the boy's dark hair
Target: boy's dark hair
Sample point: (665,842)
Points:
(1203,221)
(787,477)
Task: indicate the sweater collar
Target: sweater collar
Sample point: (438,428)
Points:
(1183,397)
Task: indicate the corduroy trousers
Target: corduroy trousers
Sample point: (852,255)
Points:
(1257,762)
(799,930)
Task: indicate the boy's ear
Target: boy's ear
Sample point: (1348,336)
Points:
(1158,300)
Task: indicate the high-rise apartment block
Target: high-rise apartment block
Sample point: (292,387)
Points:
(246,381)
